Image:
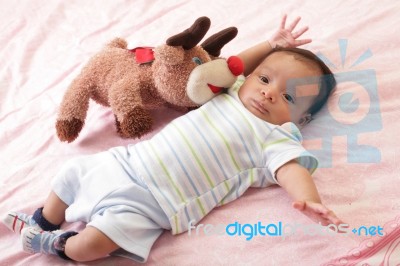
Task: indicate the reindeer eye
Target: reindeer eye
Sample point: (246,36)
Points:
(197,60)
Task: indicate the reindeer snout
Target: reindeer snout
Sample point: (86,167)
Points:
(208,79)
(235,65)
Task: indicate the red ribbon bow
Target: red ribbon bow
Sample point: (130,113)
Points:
(143,54)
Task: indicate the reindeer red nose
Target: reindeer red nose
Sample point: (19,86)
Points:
(235,65)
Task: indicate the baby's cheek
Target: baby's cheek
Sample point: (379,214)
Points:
(287,115)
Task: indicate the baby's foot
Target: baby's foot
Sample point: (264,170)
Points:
(16,221)
(38,241)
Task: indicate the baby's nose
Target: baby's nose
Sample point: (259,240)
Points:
(269,94)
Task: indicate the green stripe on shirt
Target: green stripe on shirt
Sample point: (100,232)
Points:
(266,145)
(177,190)
(223,139)
(232,102)
(196,156)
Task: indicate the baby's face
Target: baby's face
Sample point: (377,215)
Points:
(265,95)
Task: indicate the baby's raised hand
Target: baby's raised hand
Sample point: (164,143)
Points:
(317,212)
(285,37)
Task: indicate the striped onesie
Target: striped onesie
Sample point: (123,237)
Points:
(212,155)
(199,161)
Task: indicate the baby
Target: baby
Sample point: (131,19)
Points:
(247,137)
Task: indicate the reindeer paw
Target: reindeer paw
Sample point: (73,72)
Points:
(68,130)
(135,124)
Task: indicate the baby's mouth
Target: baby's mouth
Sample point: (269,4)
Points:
(260,107)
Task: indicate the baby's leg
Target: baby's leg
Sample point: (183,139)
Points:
(90,244)
(48,218)
(54,209)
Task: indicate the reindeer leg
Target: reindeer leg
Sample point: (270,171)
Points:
(131,118)
(73,110)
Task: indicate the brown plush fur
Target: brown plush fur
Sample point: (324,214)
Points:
(114,78)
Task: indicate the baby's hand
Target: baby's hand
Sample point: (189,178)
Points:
(286,38)
(317,212)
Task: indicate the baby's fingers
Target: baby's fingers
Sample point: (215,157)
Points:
(328,215)
(294,24)
(283,22)
(302,42)
(332,218)
(299,205)
(310,206)
(300,32)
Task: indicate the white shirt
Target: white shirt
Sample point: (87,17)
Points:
(212,155)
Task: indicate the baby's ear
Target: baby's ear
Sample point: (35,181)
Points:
(305,120)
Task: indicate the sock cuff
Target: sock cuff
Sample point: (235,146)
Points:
(42,222)
(59,244)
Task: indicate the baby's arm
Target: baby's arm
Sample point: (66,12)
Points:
(283,37)
(297,181)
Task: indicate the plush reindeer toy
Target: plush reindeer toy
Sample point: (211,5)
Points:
(134,81)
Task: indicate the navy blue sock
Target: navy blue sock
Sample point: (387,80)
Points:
(42,222)
(59,244)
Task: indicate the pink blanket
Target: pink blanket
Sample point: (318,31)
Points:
(45,44)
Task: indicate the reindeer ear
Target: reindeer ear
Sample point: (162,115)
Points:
(214,43)
(190,37)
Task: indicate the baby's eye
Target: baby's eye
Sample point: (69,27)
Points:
(288,98)
(264,79)
(197,60)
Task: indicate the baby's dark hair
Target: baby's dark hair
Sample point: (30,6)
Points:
(327,81)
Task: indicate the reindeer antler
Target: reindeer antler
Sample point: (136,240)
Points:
(190,37)
(214,43)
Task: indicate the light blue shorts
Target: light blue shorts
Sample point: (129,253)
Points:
(108,195)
